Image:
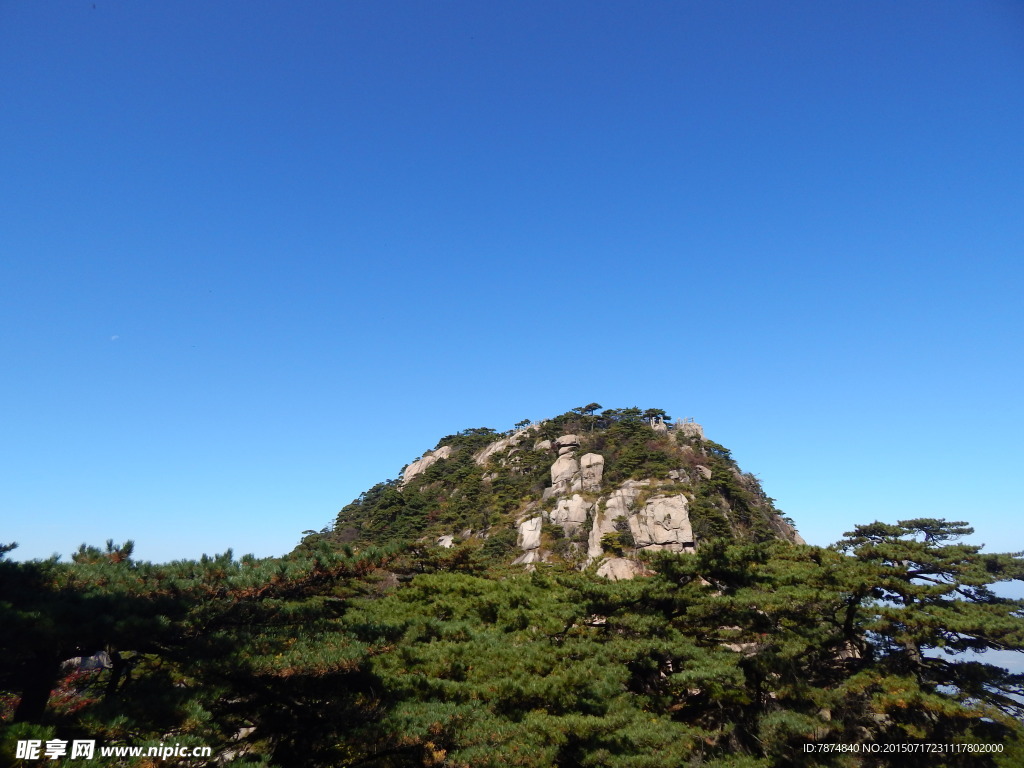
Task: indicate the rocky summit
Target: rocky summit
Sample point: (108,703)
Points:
(591,488)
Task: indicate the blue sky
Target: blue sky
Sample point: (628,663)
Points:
(257,256)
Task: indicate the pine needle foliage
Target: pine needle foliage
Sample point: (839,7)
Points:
(741,654)
(368,646)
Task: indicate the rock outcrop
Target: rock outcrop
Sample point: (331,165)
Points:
(618,505)
(483,456)
(603,524)
(571,513)
(529,533)
(567,443)
(563,471)
(529,541)
(620,568)
(591,470)
(428,459)
(621,500)
(689,429)
(569,474)
(571,477)
(663,523)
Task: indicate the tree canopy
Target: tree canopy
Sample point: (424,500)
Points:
(740,654)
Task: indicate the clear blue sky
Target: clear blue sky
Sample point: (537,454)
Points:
(256,256)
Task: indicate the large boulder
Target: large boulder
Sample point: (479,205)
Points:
(428,459)
(568,441)
(663,523)
(562,473)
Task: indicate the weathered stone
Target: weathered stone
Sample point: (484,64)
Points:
(785,530)
(619,504)
(566,449)
(446,541)
(620,568)
(482,456)
(571,513)
(592,468)
(689,429)
(527,558)
(603,524)
(704,471)
(542,445)
(529,533)
(621,500)
(563,469)
(430,458)
(568,440)
(663,523)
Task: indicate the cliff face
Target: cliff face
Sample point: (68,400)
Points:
(582,488)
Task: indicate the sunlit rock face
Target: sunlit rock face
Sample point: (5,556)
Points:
(619,568)
(591,470)
(529,541)
(618,504)
(563,472)
(499,446)
(529,533)
(571,513)
(420,465)
(663,523)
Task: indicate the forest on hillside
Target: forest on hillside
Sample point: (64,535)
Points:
(746,654)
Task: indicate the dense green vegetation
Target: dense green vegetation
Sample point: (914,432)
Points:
(370,646)
(738,655)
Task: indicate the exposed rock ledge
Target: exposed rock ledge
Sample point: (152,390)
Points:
(483,456)
(430,458)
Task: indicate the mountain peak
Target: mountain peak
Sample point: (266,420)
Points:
(586,489)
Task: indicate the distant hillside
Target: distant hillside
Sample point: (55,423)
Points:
(590,487)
